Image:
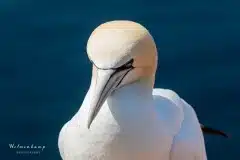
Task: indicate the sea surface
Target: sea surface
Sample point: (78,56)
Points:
(45,72)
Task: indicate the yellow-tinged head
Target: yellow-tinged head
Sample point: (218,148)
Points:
(122,52)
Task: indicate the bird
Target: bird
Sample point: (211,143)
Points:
(123,117)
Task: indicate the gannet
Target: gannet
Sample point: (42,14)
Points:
(122,116)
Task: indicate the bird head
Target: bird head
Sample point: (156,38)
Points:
(122,52)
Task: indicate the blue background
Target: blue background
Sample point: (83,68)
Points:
(45,72)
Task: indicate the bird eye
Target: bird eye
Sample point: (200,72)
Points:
(126,66)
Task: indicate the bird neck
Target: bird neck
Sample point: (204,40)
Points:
(132,107)
(128,97)
(135,94)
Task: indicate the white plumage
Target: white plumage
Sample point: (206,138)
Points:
(122,117)
(183,139)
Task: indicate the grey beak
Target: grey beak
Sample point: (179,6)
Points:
(105,83)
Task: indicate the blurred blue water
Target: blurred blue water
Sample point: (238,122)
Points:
(45,72)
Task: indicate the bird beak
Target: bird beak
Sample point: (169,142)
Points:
(105,82)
